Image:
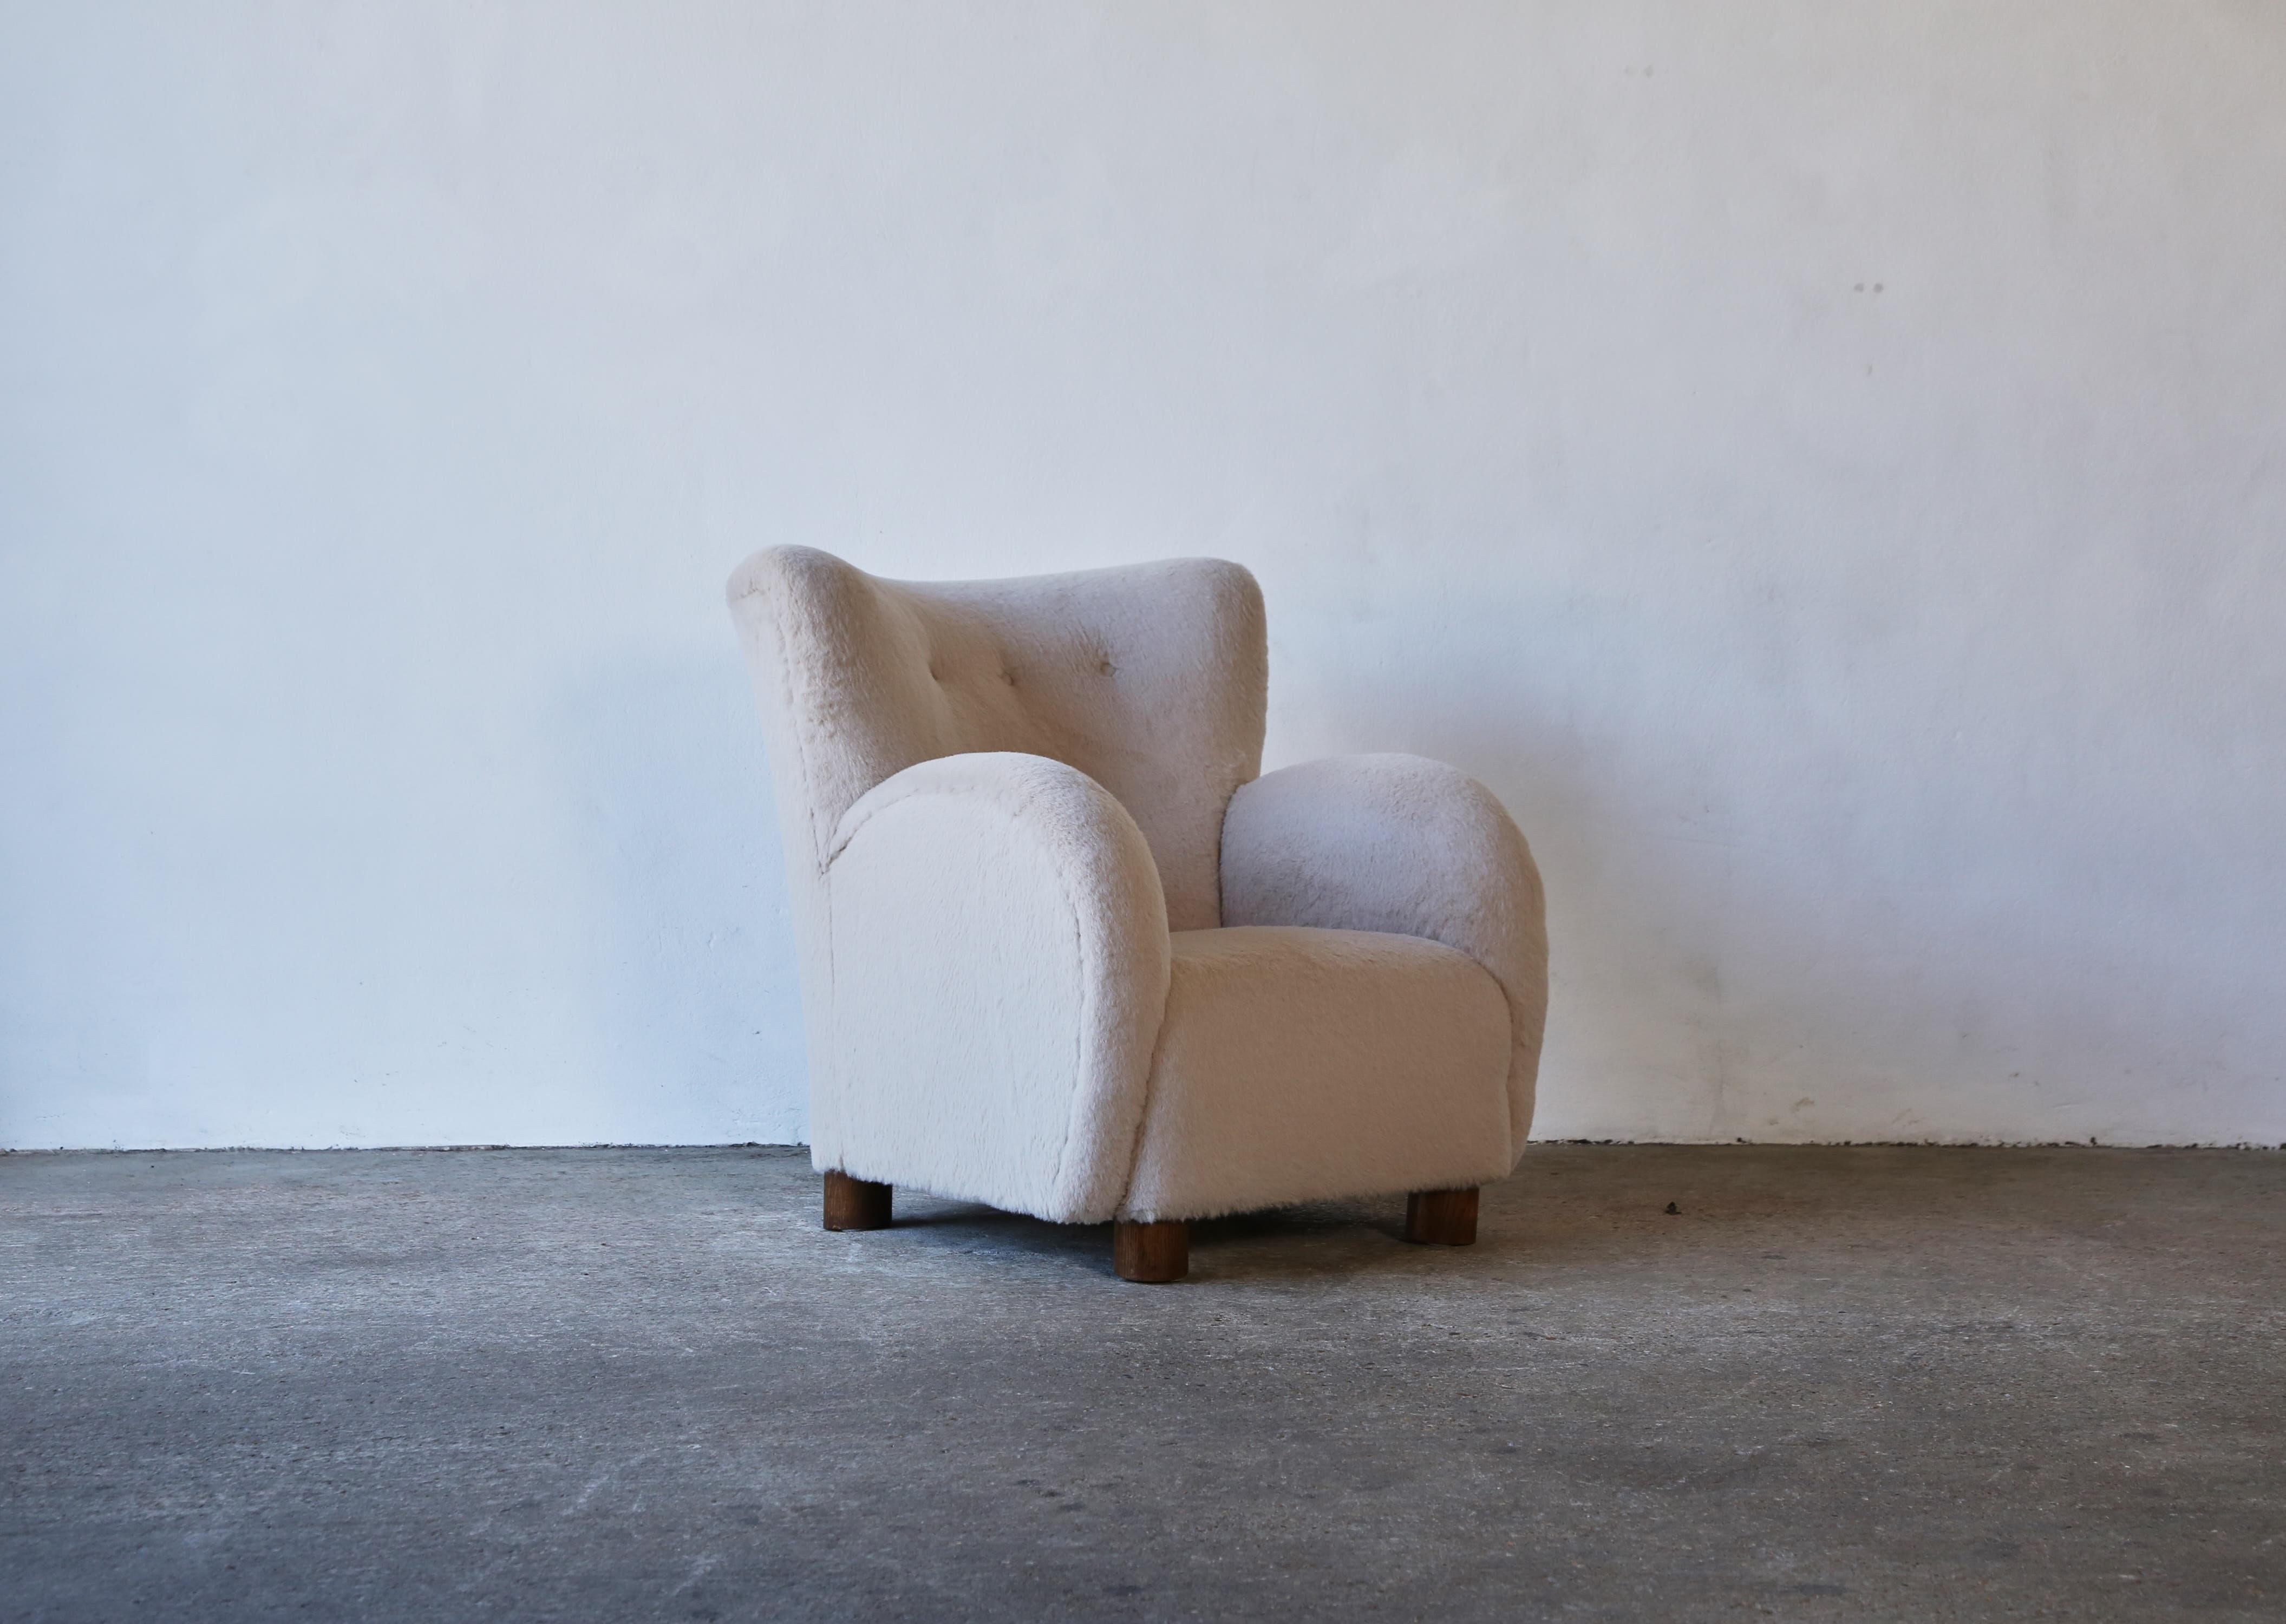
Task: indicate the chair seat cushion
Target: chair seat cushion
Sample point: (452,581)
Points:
(1299,1064)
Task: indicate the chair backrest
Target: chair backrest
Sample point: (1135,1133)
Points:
(1149,678)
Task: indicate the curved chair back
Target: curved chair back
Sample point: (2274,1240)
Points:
(1149,678)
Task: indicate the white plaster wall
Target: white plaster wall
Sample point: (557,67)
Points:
(1823,463)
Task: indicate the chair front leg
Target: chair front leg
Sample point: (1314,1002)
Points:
(1151,1254)
(1441,1217)
(856,1204)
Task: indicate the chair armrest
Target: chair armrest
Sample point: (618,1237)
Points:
(1401,844)
(999,957)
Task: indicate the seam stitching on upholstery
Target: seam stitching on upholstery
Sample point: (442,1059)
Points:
(1150,1092)
(800,739)
(825,1041)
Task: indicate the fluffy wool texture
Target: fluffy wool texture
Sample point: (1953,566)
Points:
(1299,1065)
(1400,843)
(999,959)
(1003,805)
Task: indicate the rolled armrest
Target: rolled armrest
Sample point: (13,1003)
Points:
(999,956)
(1401,844)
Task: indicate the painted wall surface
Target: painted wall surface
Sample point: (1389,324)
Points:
(1823,464)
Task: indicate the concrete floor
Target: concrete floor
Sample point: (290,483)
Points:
(1866,1384)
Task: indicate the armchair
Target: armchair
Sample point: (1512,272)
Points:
(1065,953)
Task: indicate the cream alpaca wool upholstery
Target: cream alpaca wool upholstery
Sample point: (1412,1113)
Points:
(1298,1065)
(1003,806)
(999,955)
(1398,843)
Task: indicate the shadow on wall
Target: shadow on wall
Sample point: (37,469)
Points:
(1766,924)
(692,976)
(1918,950)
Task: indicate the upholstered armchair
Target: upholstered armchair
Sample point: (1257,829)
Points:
(1064,952)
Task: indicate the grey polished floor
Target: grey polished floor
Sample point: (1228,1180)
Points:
(625,1384)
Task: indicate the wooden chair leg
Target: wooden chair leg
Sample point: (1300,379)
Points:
(1441,1217)
(856,1204)
(1154,1254)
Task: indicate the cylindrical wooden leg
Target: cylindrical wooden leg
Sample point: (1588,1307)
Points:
(1441,1217)
(856,1204)
(1154,1254)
